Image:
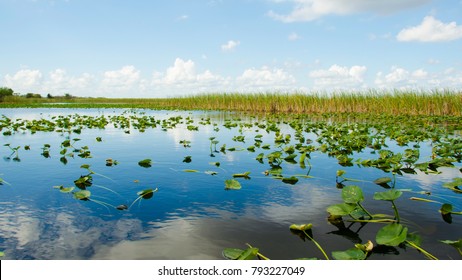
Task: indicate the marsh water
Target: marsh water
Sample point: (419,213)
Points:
(192,215)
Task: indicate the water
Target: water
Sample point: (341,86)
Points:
(191,216)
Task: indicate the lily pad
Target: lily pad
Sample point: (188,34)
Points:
(301,227)
(382,181)
(350,254)
(248,254)
(146,163)
(232,253)
(391,235)
(352,194)
(290,180)
(122,207)
(232,184)
(388,195)
(82,195)
(341,209)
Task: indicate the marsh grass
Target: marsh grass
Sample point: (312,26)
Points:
(435,103)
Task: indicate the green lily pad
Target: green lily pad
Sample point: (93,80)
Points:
(146,163)
(391,235)
(301,227)
(248,254)
(388,195)
(446,209)
(242,175)
(455,185)
(232,253)
(82,195)
(350,254)
(352,194)
(232,184)
(383,181)
(341,209)
(290,180)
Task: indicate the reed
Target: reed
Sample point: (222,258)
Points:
(435,103)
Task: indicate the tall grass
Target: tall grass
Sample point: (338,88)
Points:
(390,103)
(436,103)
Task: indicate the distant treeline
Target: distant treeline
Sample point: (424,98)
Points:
(6,92)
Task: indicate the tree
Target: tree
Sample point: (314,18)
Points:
(4,91)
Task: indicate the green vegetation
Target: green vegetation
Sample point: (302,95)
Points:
(281,144)
(435,103)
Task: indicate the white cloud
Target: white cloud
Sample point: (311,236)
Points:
(182,78)
(400,78)
(231,45)
(339,77)
(59,83)
(308,10)
(24,81)
(122,78)
(265,79)
(431,30)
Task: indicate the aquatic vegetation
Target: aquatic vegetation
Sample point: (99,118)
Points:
(284,153)
(232,184)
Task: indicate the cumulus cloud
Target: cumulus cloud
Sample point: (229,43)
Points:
(231,45)
(339,77)
(59,82)
(308,10)
(431,30)
(24,81)
(183,76)
(265,79)
(400,78)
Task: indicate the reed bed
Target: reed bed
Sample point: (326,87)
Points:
(434,103)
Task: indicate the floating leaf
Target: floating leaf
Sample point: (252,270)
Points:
(211,173)
(388,195)
(122,207)
(82,195)
(455,185)
(191,170)
(301,227)
(187,159)
(391,235)
(341,209)
(146,163)
(146,194)
(232,184)
(64,189)
(242,175)
(352,194)
(383,181)
(340,172)
(290,180)
(248,254)
(232,253)
(446,209)
(350,254)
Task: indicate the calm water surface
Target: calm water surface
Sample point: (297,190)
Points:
(191,216)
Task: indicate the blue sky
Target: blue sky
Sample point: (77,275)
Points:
(180,47)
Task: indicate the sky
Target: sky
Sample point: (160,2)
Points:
(172,48)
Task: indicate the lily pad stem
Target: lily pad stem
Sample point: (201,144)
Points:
(427,254)
(317,245)
(364,209)
(396,212)
(258,254)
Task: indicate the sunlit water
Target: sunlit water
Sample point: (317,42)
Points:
(191,216)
